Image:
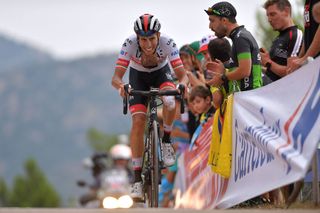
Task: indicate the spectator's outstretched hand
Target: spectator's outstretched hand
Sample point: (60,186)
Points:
(215,69)
(294,63)
(201,77)
(216,66)
(194,81)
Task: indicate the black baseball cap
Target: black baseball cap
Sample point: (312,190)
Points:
(222,9)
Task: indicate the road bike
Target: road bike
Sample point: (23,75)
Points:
(152,156)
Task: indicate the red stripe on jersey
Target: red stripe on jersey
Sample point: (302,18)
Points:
(290,39)
(136,60)
(122,62)
(138,108)
(175,63)
(167,84)
(123,69)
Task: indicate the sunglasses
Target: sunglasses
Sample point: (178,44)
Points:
(210,10)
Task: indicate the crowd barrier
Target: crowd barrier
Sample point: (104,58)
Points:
(275,131)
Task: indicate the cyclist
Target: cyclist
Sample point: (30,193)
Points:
(147,54)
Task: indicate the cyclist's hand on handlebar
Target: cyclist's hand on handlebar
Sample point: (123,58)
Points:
(121,91)
(183,89)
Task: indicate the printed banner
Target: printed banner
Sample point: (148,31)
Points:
(196,185)
(275,132)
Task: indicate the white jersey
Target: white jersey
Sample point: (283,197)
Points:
(130,54)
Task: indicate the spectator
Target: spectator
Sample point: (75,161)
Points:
(192,62)
(201,99)
(197,58)
(286,44)
(204,42)
(187,58)
(316,12)
(311,45)
(310,48)
(196,75)
(245,66)
(219,48)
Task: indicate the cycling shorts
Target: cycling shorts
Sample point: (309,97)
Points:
(139,80)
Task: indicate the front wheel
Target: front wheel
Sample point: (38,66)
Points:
(155,170)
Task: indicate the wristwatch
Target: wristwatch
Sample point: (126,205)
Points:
(224,77)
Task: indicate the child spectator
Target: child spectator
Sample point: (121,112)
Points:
(201,99)
(219,48)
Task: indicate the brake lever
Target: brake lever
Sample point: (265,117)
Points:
(182,89)
(125,99)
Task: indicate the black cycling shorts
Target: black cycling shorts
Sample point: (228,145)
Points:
(144,81)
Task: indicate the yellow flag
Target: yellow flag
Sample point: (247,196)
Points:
(220,155)
(225,153)
(215,142)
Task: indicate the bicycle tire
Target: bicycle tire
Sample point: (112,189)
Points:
(147,171)
(153,189)
(150,164)
(155,165)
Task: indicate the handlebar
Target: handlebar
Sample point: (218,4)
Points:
(153,92)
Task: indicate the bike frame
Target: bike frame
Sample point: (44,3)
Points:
(152,158)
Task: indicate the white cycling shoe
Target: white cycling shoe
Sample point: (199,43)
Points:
(168,154)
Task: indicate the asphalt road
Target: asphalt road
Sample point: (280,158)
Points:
(144,210)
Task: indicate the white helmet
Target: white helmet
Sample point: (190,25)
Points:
(146,25)
(120,151)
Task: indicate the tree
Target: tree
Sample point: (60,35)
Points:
(100,141)
(32,189)
(3,192)
(264,31)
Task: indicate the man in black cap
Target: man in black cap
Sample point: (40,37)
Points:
(245,63)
